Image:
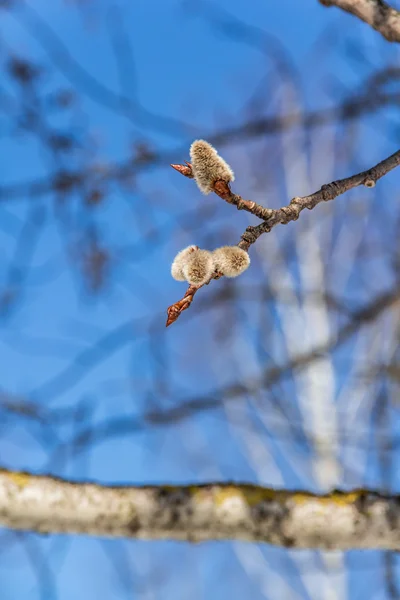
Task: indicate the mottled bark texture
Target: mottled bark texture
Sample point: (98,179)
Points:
(357,519)
(376,13)
(329,191)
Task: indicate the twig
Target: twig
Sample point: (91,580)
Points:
(377,13)
(176,309)
(272,217)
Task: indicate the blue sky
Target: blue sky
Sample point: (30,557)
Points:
(189,79)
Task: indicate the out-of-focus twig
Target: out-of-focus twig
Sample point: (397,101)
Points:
(68,180)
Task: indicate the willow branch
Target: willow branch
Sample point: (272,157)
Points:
(272,217)
(214,511)
(377,13)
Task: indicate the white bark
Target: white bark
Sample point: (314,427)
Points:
(316,383)
(337,521)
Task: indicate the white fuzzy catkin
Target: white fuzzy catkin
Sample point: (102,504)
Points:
(207,166)
(230,260)
(179,261)
(199,267)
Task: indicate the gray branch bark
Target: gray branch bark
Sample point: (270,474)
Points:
(329,191)
(339,520)
(377,13)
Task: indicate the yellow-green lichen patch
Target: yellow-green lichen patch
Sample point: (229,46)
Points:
(18,478)
(257,495)
(223,494)
(251,495)
(199,494)
(336,498)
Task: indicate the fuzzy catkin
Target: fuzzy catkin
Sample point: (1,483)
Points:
(207,166)
(230,260)
(179,261)
(199,267)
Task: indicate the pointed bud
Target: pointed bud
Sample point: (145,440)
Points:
(174,311)
(231,260)
(185,170)
(208,167)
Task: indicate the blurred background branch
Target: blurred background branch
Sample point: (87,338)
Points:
(286,377)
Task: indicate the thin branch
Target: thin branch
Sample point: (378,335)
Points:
(295,519)
(284,215)
(69,180)
(60,55)
(377,13)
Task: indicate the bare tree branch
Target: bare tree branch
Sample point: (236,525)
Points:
(338,520)
(284,215)
(377,13)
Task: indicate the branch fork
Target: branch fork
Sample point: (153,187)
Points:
(271,217)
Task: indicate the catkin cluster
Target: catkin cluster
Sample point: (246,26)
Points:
(198,266)
(192,264)
(208,166)
(231,261)
(180,261)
